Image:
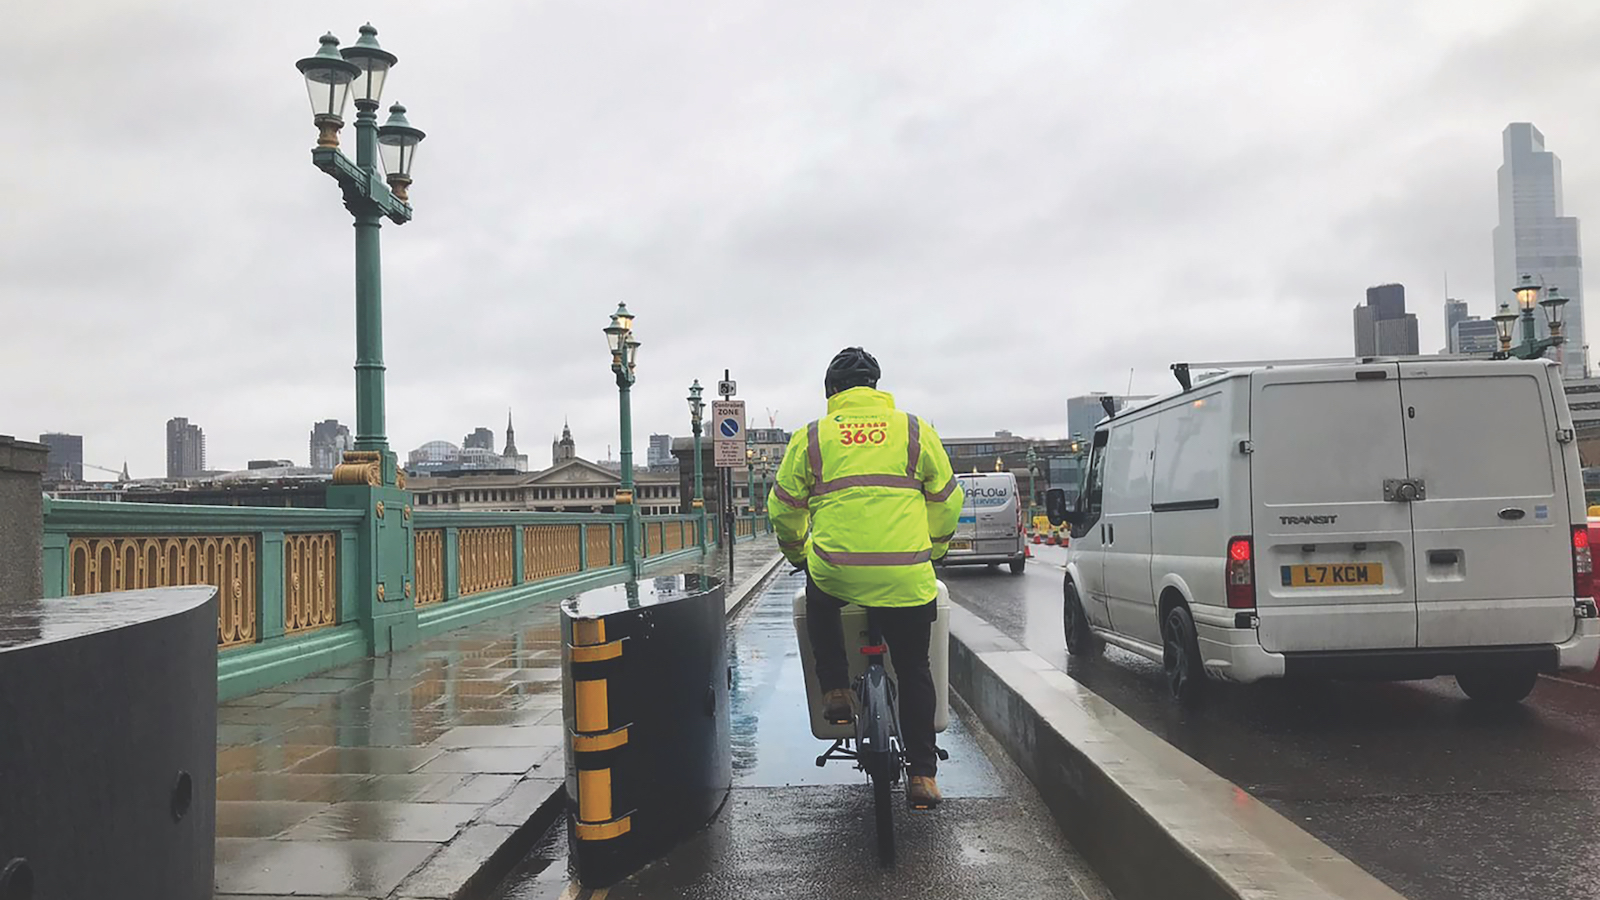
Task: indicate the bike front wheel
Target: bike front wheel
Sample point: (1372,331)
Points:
(883,812)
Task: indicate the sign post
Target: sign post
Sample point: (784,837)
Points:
(728,446)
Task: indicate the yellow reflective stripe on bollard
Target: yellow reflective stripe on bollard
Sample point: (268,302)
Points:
(596,652)
(587,632)
(604,831)
(595,743)
(593,713)
(594,795)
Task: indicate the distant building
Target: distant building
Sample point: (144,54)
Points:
(660,453)
(1474,337)
(329,441)
(518,461)
(1085,411)
(563,448)
(573,485)
(1454,311)
(65,459)
(479,439)
(1536,237)
(258,464)
(1382,325)
(186,449)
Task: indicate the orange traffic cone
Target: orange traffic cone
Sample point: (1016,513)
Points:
(1036,537)
(1027,552)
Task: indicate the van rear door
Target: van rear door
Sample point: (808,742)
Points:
(1493,534)
(1333,557)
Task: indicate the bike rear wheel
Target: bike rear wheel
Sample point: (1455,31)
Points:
(883,812)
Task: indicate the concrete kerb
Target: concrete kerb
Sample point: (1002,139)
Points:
(1154,823)
(748,588)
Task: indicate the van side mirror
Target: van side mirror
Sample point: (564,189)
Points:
(1056,509)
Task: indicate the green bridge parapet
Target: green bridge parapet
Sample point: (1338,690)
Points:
(303,590)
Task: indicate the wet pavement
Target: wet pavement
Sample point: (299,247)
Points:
(1439,798)
(400,776)
(790,829)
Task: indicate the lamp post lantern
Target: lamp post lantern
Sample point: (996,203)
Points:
(332,76)
(1552,305)
(624,363)
(697,408)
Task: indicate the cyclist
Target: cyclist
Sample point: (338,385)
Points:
(865,499)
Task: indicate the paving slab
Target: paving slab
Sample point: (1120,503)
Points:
(408,776)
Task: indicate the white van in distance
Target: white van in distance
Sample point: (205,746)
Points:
(990,529)
(1380,519)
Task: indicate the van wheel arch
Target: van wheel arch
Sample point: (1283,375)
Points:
(1171,597)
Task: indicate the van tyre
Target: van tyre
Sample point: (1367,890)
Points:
(1018,565)
(1081,642)
(1180,657)
(1502,688)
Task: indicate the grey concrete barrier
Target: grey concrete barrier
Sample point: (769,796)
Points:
(108,729)
(1154,823)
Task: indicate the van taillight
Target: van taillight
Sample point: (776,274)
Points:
(1021,529)
(1582,562)
(1241,574)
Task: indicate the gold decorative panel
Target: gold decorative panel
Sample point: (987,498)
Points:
(674,537)
(429,571)
(310,581)
(228,562)
(599,549)
(488,559)
(549,551)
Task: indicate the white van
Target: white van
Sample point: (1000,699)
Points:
(990,529)
(1380,519)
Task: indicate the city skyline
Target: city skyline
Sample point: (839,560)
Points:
(1379,135)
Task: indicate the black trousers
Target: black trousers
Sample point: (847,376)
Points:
(906,629)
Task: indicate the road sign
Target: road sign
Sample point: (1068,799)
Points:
(727,431)
(727,388)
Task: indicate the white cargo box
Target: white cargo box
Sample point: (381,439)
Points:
(855,629)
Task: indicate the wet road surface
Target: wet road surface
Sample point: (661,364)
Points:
(790,829)
(1441,799)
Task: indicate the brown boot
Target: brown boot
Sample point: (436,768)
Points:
(838,706)
(922,792)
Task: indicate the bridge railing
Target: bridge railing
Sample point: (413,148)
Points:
(289,596)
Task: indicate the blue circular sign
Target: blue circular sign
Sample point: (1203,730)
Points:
(730,427)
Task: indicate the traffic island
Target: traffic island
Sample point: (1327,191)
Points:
(1154,823)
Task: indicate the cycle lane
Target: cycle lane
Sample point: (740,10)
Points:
(791,829)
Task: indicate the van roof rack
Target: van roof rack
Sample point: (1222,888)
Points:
(1192,365)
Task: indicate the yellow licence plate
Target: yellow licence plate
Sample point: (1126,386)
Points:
(1333,575)
(960,545)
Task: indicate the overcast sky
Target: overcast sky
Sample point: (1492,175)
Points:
(1007,202)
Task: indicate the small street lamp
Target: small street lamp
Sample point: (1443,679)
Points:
(750,474)
(624,363)
(697,408)
(1033,468)
(332,76)
(1532,347)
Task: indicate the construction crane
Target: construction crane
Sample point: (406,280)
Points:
(772,417)
(122,474)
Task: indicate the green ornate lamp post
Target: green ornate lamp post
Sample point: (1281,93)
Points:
(369,478)
(697,410)
(1532,347)
(624,362)
(332,75)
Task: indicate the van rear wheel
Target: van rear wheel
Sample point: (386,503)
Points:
(1018,566)
(1497,687)
(1180,657)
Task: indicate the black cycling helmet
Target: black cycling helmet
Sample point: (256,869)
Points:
(852,367)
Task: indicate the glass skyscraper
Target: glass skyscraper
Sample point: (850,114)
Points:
(1535,238)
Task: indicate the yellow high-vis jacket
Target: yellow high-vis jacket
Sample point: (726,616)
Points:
(866,497)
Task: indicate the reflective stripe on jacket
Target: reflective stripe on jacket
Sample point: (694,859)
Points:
(867,498)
